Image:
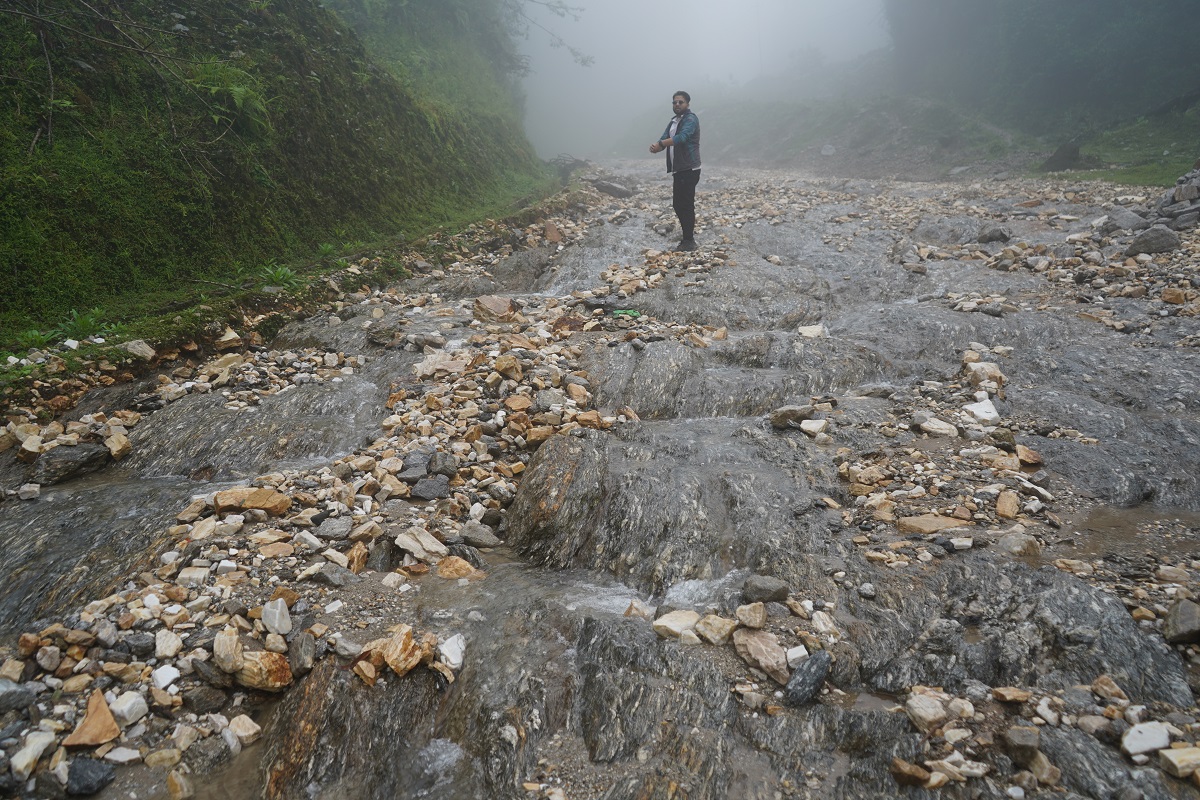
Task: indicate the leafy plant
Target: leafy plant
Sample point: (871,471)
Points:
(273,274)
(326,250)
(237,94)
(34,339)
(80,326)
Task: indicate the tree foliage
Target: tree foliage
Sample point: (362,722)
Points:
(1048,64)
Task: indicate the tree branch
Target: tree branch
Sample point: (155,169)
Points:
(50,105)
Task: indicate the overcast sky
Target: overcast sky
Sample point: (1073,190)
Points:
(644,51)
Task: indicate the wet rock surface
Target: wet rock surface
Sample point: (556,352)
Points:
(827,508)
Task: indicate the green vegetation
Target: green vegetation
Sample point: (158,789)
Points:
(1151,151)
(149,154)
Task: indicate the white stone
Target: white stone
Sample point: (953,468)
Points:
(275,617)
(245,729)
(306,539)
(796,656)
(25,760)
(452,651)
(925,711)
(192,576)
(983,411)
(29,491)
(123,755)
(961,708)
(334,607)
(337,558)
(1145,738)
(670,626)
(937,427)
(226,566)
(823,623)
(164,676)
(167,644)
(129,708)
(814,426)
(813,331)
(1046,712)
(392,580)
(1180,762)
(422,544)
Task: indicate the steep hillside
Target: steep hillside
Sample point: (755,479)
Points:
(143,147)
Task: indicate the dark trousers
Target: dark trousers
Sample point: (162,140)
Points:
(683,199)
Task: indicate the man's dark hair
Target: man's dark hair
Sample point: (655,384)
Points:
(684,95)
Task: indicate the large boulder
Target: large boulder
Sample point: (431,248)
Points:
(1157,239)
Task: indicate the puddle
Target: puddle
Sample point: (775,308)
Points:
(1137,531)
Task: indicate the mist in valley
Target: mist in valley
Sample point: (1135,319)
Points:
(643,52)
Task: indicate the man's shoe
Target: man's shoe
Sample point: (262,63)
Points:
(686,246)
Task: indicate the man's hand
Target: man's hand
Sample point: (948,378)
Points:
(656,148)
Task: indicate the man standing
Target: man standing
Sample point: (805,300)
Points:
(681,140)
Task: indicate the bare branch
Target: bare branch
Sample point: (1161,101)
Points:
(103,41)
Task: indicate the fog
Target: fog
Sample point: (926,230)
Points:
(645,51)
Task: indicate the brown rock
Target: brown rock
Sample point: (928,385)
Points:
(518,402)
(539,434)
(591,419)
(509,366)
(229,340)
(98,725)
(1174,295)
(714,629)
(247,497)
(762,650)
(268,672)
(366,671)
(453,567)
(1008,505)
(1011,694)
(1106,687)
(401,653)
(276,550)
(1030,458)
(179,786)
(289,596)
(491,308)
(28,644)
(929,523)
(753,615)
(907,774)
(30,449)
(1046,773)
(357,557)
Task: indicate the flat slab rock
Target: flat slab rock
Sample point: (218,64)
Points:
(929,523)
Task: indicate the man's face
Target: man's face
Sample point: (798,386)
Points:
(678,105)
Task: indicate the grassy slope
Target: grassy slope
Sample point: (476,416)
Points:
(161,175)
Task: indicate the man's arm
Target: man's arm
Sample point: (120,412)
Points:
(663,142)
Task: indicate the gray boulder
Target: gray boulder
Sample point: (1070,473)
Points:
(1158,239)
(1182,625)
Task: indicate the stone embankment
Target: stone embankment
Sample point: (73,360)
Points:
(841,455)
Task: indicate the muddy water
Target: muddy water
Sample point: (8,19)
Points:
(559,686)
